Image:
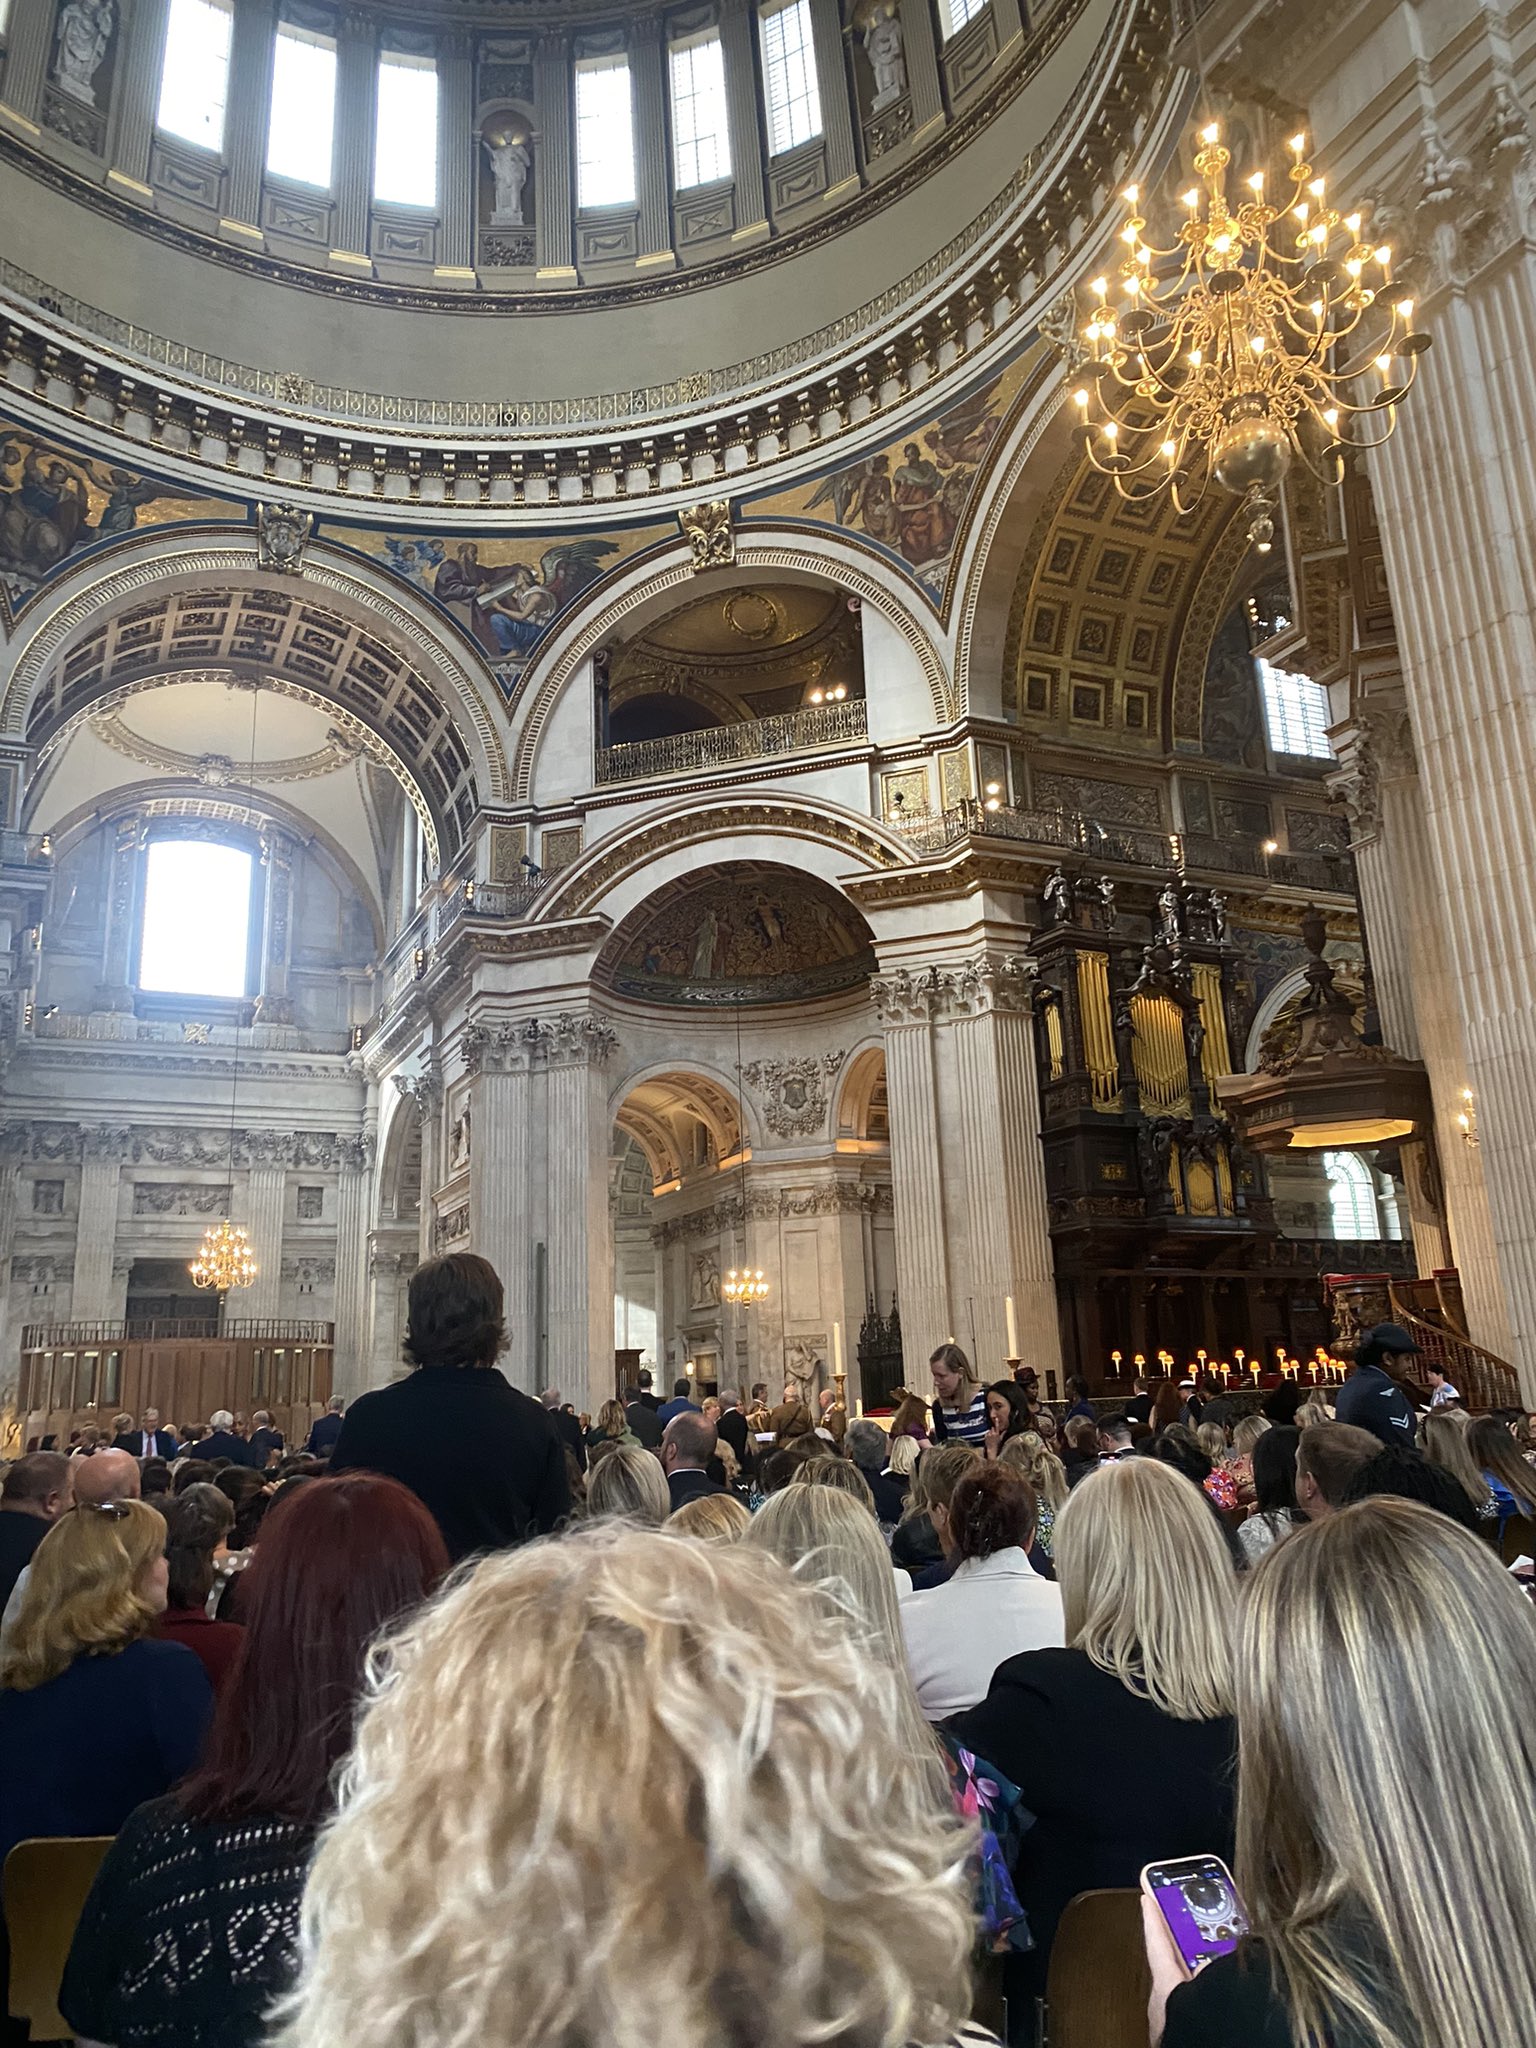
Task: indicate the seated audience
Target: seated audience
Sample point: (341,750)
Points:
(1402,1472)
(1114,1443)
(98,1481)
(154,1479)
(193,1472)
(611,1427)
(868,1449)
(1213,1440)
(1275,1513)
(1443,1440)
(1390,1875)
(1509,1479)
(652,1707)
(1328,1456)
(191,1927)
(37,1489)
(959,1410)
(483,1457)
(1008,1414)
(840,1474)
(713,1517)
(687,1445)
(1313,1410)
(96,1715)
(248,1494)
(222,1441)
(918,1544)
(994,1605)
(1121,1744)
(628,1483)
(1247,1433)
(1167,1406)
(198,1523)
(1045,1472)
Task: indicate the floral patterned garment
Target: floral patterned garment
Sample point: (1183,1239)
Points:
(984,1795)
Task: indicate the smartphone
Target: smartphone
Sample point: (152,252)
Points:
(1200,1907)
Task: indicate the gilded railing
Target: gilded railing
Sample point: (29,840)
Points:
(749,739)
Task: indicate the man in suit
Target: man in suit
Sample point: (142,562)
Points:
(149,1440)
(567,1427)
(642,1419)
(681,1403)
(686,1448)
(732,1428)
(265,1440)
(645,1397)
(324,1431)
(221,1441)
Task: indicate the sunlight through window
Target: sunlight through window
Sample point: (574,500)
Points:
(957,13)
(1296,712)
(303,105)
(789,76)
(700,126)
(194,79)
(197,914)
(405,142)
(605,133)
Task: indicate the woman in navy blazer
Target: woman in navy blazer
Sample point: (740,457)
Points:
(95,1715)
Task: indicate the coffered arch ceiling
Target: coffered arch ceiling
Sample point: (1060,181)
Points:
(1114,613)
(681,1122)
(291,646)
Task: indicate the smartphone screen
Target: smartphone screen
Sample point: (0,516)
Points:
(1198,1899)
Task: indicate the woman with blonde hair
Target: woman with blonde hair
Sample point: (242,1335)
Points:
(1245,1434)
(96,1715)
(904,1456)
(1148,1599)
(1443,1440)
(713,1517)
(1045,1472)
(627,1790)
(612,1427)
(959,1407)
(1390,1874)
(628,1483)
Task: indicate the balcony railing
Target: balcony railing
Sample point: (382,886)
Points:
(1130,845)
(152,1329)
(750,739)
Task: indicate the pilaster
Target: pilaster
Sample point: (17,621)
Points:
(555,227)
(357,60)
(250,100)
(275,1003)
(94,1298)
(266,1154)
(116,990)
(26,58)
(355,1161)
(738,35)
(836,106)
(140,57)
(456,160)
(653,155)
(920,48)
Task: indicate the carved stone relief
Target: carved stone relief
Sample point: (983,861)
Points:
(796,1091)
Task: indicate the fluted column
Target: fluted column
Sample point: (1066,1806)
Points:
(653,155)
(920,48)
(355,1160)
(141,54)
(922,1261)
(14,1141)
(580,1229)
(456,164)
(738,33)
(836,106)
(116,988)
(357,87)
(94,1294)
(26,58)
(555,227)
(250,102)
(501,1219)
(264,1204)
(274,1004)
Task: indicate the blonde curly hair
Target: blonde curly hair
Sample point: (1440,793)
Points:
(619,1788)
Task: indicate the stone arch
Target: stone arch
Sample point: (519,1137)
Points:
(646,587)
(861,1098)
(397,646)
(399,1152)
(698,1089)
(618,873)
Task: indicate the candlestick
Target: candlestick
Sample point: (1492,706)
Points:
(1013,1328)
(858,1409)
(837,1350)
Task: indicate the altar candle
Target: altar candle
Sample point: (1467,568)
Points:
(837,1351)
(1115,1358)
(1013,1328)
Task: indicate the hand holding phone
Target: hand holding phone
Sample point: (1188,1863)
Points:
(1198,1904)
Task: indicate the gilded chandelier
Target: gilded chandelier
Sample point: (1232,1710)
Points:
(224,1259)
(745,1288)
(1231,356)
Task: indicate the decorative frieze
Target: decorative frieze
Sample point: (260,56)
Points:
(969,988)
(518,1046)
(451,1228)
(832,1198)
(173,1145)
(181,1198)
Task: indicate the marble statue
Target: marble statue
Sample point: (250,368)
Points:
(511,161)
(883,47)
(1057,897)
(85,30)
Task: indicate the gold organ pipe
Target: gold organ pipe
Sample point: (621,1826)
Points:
(1055,1044)
(1215,1054)
(1162,1067)
(1098,1030)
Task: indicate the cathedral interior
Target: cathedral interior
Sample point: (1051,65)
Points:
(572,686)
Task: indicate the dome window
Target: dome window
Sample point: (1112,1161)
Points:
(605,133)
(957,13)
(194,77)
(405,139)
(789,75)
(303,117)
(1295,712)
(700,121)
(195,935)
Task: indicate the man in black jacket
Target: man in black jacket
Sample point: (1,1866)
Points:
(222,1442)
(732,1428)
(151,1441)
(485,1459)
(325,1429)
(641,1417)
(567,1428)
(686,1448)
(1371,1398)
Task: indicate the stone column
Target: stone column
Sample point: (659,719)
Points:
(250,100)
(116,990)
(141,54)
(580,1233)
(555,227)
(456,164)
(274,1003)
(920,49)
(94,1299)
(14,1141)
(265,1155)
(653,154)
(388,1267)
(501,1219)
(836,103)
(968,1172)
(357,91)
(355,1160)
(738,34)
(28,33)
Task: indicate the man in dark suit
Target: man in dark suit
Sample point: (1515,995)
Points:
(641,1417)
(265,1439)
(645,1397)
(148,1441)
(324,1431)
(732,1428)
(686,1448)
(567,1427)
(222,1442)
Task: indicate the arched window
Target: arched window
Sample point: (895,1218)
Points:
(195,934)
(1352,1194)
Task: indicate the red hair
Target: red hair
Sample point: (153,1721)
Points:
(338,1560)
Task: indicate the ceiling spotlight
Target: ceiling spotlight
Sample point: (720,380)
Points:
(1271,846)
(818,696)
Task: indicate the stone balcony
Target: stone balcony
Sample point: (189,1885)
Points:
(811,730)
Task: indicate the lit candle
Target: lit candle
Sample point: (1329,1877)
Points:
(1140,1360)
(1239,1354)
(837,1351)
(1115,1358)
(858,1408)
(1013,1328)
(1202,1357)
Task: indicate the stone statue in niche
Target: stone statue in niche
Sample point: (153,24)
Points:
(704,1290)
(511,161)
(459,1142)
(883,48)
(85,32)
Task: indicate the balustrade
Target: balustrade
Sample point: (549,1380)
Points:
(749,739)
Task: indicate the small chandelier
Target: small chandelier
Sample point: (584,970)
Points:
(1230,357)
(744,1288)
(225,1259)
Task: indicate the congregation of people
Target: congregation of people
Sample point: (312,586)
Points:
(729,1721)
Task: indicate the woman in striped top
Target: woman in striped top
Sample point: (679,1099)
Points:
(960,1404)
